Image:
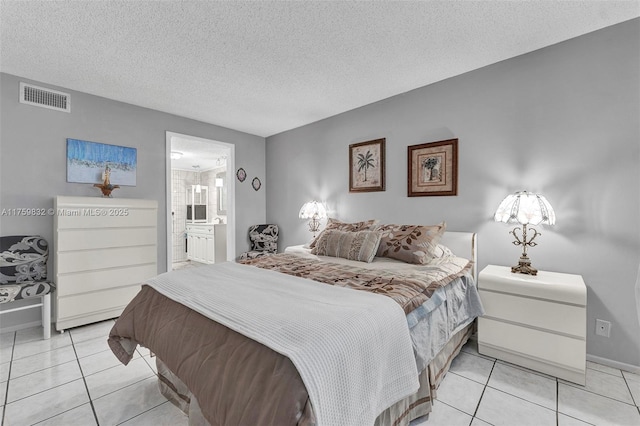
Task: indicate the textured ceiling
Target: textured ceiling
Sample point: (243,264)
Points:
(266,67)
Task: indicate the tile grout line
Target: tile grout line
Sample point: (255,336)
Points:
(584,389)
(91,400)
(84,380)
(606,372)
(41,370)
(486,385)
(525,369)
(519,397)
(6,394)
(557,403)
(567,383)
(483,391)
(636,403)
(611,374)
(68,362)
(144,412)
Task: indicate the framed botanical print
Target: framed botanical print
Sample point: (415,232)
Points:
(366,166)
(433,168)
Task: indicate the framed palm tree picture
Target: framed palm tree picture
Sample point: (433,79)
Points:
(366,166)
(433,168)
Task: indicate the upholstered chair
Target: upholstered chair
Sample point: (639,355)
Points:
(23,274)
(263,239)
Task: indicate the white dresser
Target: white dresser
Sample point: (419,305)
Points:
(206,242)
(105,248)
(538,322)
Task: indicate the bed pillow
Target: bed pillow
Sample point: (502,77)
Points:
(360,245)
(442,251)
(410,243)
(345,226)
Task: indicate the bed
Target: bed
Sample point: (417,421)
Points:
(215,363)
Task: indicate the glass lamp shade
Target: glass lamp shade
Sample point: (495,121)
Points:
(525,208)
(312,209)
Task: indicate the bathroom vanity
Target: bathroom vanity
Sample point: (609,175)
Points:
(207,242)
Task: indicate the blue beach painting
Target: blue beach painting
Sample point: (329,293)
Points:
(86,162)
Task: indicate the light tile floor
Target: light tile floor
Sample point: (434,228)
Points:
(479,390)
(74,379)
(186,264)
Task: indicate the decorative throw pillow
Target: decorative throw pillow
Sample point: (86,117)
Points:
(410,243)
(344,226)
(360,245)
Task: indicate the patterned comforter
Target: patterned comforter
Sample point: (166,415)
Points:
(260,385)
(409,289)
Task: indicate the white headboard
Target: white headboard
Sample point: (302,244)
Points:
(463,244)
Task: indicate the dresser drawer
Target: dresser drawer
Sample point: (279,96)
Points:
(88,303)
(534,313)
(118,257)
(551,348)
(91,281)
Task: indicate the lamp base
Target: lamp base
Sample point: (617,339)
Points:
(524,267)
(314,226)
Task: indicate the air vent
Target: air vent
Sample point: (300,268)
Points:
(45,98)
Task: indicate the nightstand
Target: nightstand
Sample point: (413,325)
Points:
(297,249)
(538,322)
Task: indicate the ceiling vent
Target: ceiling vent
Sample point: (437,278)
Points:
(45,98)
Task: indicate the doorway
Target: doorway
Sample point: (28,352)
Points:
(200,198)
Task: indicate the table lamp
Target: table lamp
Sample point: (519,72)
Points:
(314,211)
(525,208)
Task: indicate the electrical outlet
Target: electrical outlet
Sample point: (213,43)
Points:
(603,328)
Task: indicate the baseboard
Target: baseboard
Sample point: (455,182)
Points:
(614,364)
(575,374)
(21,326)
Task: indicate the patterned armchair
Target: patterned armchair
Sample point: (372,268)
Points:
(23,274)
(264,241)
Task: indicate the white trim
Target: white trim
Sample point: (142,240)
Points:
(231,191)
(167,205)
(22,308)
(45,310)
(23,326)
(614,364)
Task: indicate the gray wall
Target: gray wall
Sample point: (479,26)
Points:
(563,121)
(33,161)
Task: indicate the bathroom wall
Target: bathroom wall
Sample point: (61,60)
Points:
(181,181)
(209,178)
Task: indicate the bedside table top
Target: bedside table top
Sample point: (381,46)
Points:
(555,286)
(297,249)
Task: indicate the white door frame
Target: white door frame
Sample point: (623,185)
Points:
(231,194)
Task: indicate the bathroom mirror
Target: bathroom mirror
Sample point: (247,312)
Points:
(221,191)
